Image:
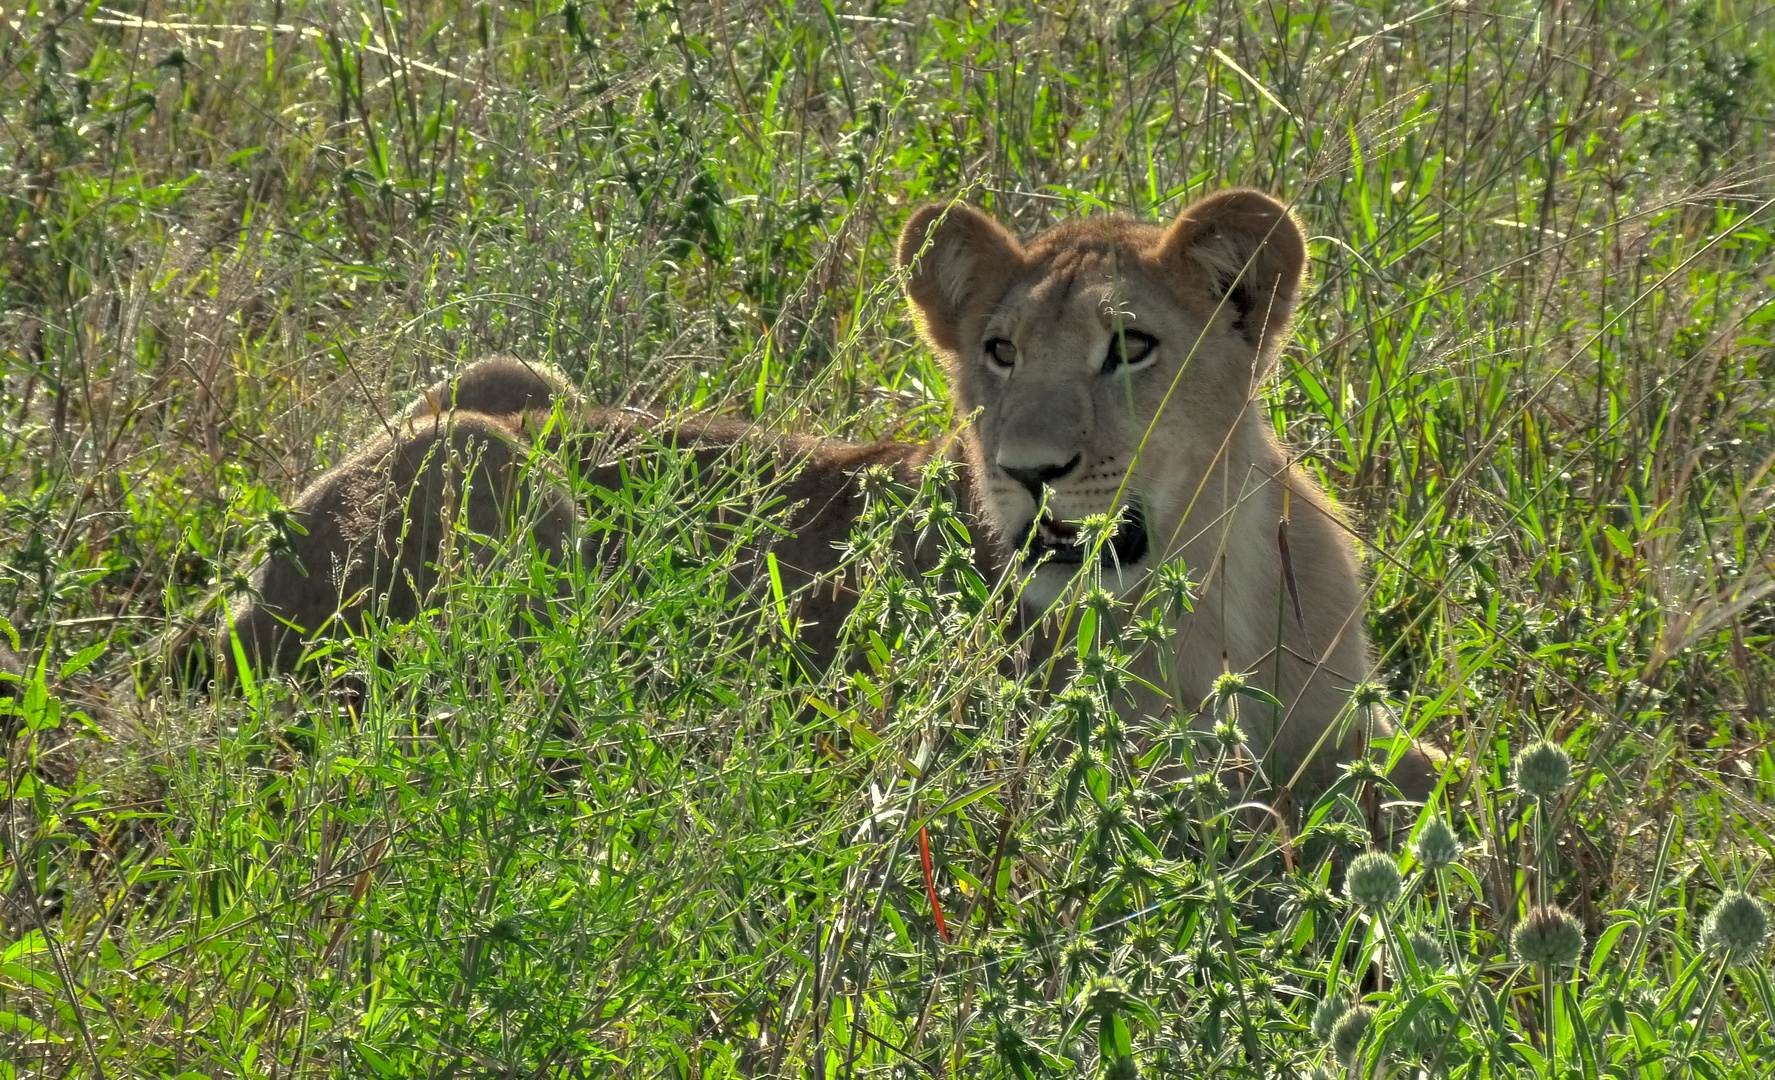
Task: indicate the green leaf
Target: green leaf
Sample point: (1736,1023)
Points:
(965,799)
(776,592)
(1087,639)
(375,1059)
(1121,1040)
(1257,693)
(1605,947)
(1537,1063)
(24,1025)
(81,660)
(30,944)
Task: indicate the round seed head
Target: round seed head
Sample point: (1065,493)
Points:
(1077,953)
(1174,586)
(1372,880)
(1549,937)
(1228,683)
(1326,1015)
(1099,599)
(1120,1068)
(1079,705)
(1106,995)
(1425,948)
(1206,786)
(1543,770)
(1737,926)
(1349,1031)
(1436,845)
(1364,770)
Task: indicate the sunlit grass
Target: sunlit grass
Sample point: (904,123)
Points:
(1533,362)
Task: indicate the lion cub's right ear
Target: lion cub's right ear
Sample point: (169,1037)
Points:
(956,259)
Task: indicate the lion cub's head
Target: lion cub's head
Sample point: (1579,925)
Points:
(1112,364)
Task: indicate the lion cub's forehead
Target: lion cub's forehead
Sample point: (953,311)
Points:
(1081,273)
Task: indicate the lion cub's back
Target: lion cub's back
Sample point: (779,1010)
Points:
(377,527)
(376,532)
(810,489)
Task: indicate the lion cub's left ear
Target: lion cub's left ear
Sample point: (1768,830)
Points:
(1252,254)
(957,260)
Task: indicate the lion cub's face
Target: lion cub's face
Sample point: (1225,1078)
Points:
(1111,363)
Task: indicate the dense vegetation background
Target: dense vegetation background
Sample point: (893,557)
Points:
(1535,362)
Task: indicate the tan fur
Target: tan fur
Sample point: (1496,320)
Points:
(809,489)
(379,532)
(372,514)
(1179,438)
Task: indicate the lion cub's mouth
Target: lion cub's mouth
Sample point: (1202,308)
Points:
(1061,543)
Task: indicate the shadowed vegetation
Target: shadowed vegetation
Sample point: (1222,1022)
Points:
(1534,360)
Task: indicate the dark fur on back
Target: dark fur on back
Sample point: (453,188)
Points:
(378,532)
(375,525)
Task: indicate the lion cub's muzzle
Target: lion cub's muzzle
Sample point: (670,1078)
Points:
(1062,544)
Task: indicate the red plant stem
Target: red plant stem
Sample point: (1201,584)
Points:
(930,883)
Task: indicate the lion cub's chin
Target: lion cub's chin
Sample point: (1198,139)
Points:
(1055,555)
(1048,584)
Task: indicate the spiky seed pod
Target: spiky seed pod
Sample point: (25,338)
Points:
(1106,995)
(937,473)
(1325,1017)
(1100,600)
(1120,1068)
(1228,683)
(1207,787)
(1148,943)
(1425,948)
(1549,937)
(1112,816)
(1373,880)
(1543,770)
(1152,631)
(1078,705)
(1177,820)
(1737,926)
(1172,584)
(875,480)
(1364,770)
(1349,1031)
(954,560)
(1078,952)
(1436,846)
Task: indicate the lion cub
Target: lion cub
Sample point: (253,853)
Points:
(1110,367)
(1114,368)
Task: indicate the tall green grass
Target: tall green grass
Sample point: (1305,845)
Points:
(1534,362)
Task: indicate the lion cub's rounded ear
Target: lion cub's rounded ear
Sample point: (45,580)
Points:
(1251,254)
(956,259)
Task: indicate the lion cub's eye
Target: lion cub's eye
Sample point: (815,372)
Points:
(1001,353)
(1130,348)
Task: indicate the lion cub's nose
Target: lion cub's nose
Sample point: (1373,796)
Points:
(1032,477)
